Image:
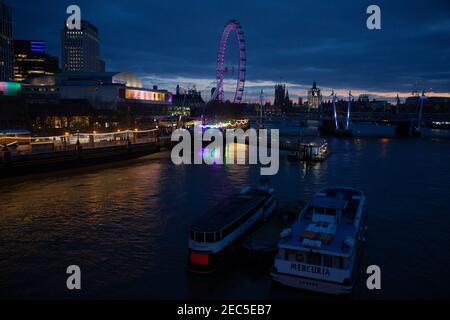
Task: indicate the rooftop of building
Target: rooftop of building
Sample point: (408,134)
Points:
(84,24)
(127,78)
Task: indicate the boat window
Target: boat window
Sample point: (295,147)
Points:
(315,258)
(192,235)
(341,263)
(282,254)
(345,263)
(337,263)
(327,261)
(199,237)
(290,255)
(218,236)
(209,237)
(320,210)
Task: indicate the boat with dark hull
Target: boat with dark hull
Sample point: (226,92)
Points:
(77,157)
(214,233)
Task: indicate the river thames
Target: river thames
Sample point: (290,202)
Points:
(126,224)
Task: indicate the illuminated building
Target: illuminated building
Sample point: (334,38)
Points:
(31,60)
(101,90)
(10,89)
(84,101)
(314,97)
(185,102)
(80,50)
(6,43)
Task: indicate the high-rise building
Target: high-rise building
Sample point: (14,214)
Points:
(6,43)
(314,97)
(81,49)
(31,60)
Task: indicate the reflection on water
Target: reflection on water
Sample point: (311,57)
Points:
(126,224)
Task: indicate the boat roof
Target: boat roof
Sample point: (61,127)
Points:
(346,227)
(329,203)
(227,211)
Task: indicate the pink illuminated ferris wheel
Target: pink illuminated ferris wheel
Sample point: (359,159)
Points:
(232,26)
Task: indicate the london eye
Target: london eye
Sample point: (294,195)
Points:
(232,26)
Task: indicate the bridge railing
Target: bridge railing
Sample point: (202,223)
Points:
(361,116)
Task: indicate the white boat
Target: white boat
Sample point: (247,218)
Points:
(321,250)
(217,230)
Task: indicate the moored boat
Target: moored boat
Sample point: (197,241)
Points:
(320,251)
(212,235)
(311,151)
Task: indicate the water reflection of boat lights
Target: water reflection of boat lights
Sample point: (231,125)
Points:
(211,155)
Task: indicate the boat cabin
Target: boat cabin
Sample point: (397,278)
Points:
(328,224)
(226,217)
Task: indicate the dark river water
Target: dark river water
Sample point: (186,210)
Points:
(126,224)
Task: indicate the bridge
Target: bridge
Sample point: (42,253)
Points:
(339,123)
(382,117)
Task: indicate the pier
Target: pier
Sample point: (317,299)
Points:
(33,155)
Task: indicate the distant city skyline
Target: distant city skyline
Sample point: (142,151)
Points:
(303,42)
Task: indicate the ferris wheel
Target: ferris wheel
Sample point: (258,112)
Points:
(235,27)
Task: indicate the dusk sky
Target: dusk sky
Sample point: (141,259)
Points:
(296,42)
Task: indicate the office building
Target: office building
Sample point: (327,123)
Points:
(6,43)
(30,60)
(99,90)
(80,49)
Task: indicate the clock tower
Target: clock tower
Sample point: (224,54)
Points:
(314,97)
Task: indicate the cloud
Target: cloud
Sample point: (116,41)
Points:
(253,89)
(293,41)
